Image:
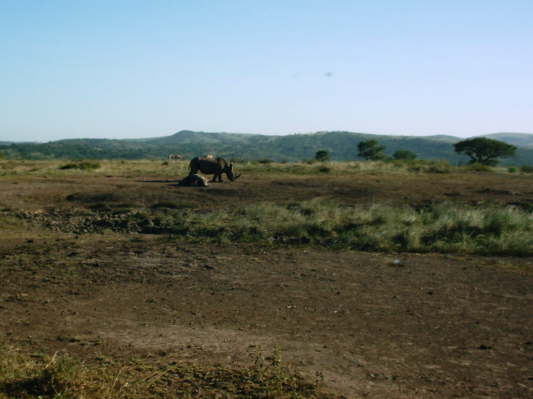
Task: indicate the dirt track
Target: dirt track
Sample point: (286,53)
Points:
(376,325)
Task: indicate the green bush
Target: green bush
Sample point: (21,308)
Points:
(526,169)
(424,166)
(322,156)
(83,165)
(404,155)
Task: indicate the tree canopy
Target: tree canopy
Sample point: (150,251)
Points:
(322,155)
(371,150)
(484,151)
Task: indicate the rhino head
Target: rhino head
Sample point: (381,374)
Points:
(229,172)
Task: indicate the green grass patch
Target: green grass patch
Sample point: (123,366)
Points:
(443,227)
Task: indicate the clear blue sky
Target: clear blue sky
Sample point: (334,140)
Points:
(128,68)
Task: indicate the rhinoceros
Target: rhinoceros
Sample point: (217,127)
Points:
(213,166)
(193,180)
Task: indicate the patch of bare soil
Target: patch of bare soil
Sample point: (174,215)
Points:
(374,325)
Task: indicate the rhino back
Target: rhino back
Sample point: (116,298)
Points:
(207,165)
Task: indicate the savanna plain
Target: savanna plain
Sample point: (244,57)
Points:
(298,280)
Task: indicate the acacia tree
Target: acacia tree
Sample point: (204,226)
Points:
(371,150)
(484,151)
(322,156)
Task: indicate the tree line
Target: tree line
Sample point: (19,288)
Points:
(480,150)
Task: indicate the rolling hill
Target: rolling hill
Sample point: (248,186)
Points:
(517,139)
(342,145)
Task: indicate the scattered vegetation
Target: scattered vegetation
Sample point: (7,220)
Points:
(442,227)
(526,169)
(478,167)
(422,166)
(178,169)
(62,377)
(83,165)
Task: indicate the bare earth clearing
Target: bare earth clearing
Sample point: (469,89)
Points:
(376,325)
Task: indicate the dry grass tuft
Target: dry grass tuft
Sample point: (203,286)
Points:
(62,377)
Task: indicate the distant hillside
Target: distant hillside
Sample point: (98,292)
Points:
(341,145)
(444,138)
(518,139)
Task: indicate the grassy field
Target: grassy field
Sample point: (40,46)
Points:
(370,279)
(265,167)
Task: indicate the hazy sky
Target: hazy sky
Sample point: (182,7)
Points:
(131,68)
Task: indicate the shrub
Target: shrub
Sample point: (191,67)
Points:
(422,166)
(478,167)
(404,155)
(84,165)
(526,169)
(322,156)
(511,170)
(439,167)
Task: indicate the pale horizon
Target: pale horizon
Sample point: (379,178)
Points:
(131,69)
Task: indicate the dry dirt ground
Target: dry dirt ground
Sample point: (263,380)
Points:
(375,325)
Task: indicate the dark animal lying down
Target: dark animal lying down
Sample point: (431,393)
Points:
(193,180)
